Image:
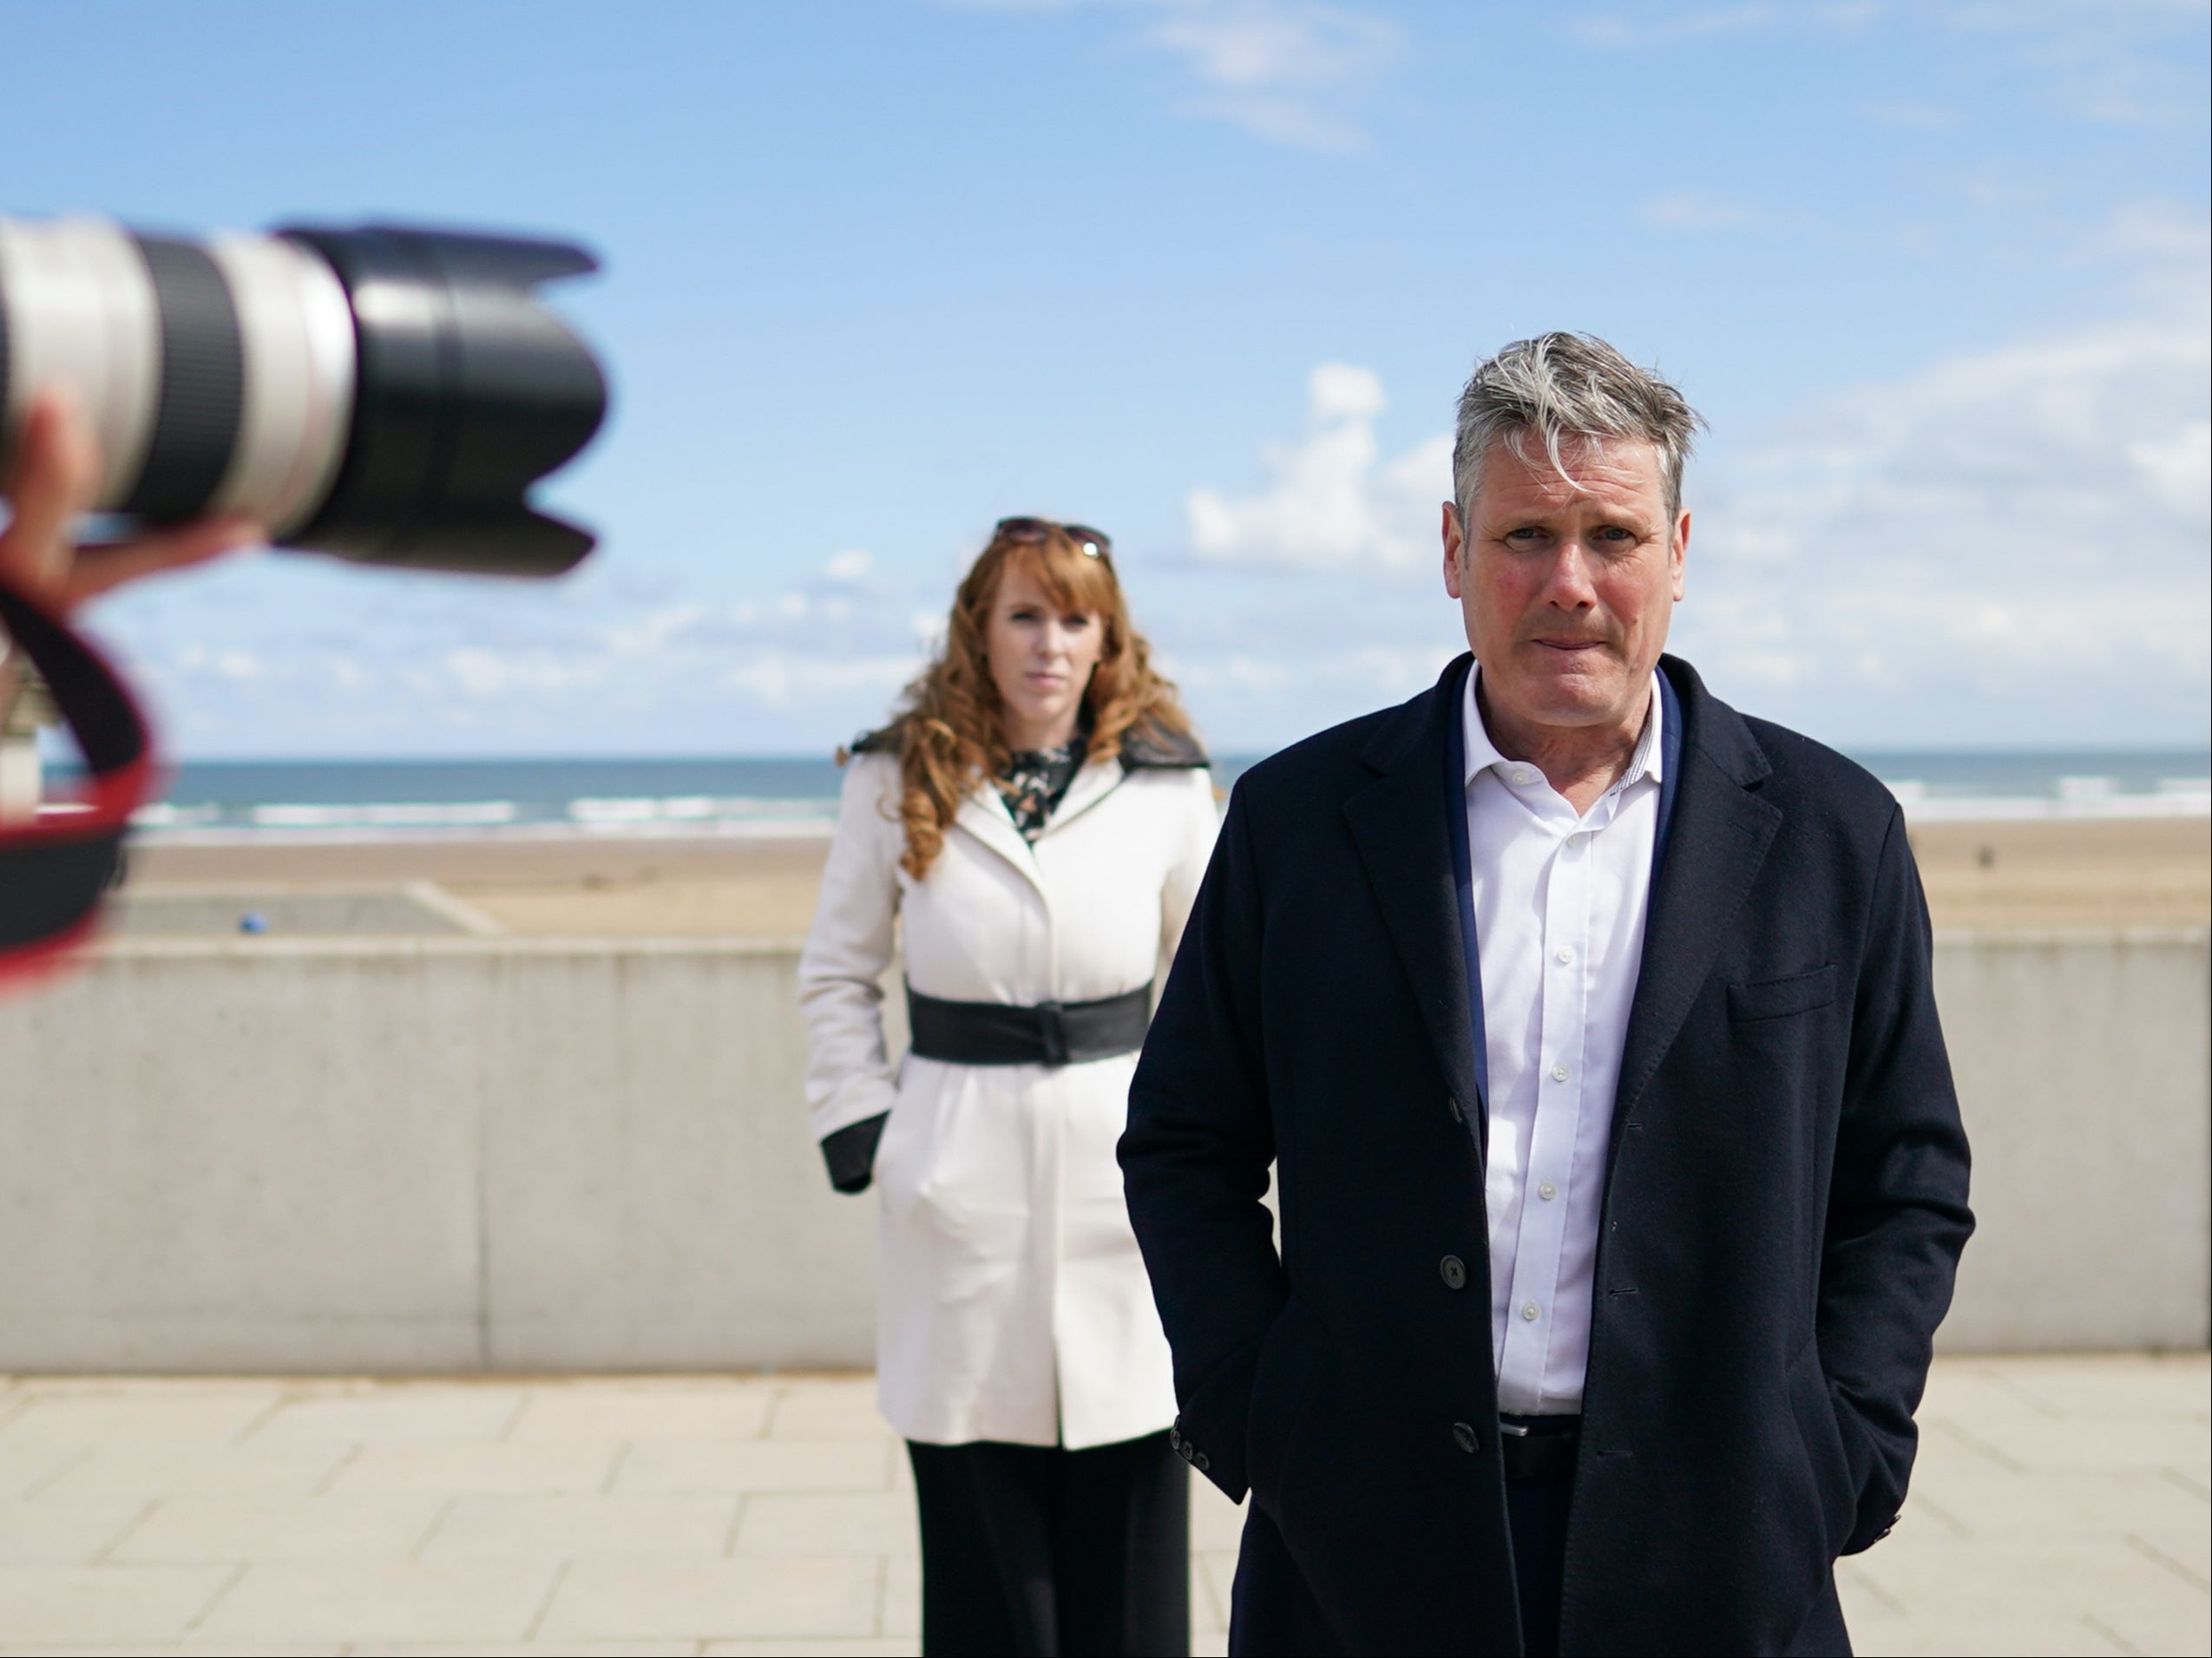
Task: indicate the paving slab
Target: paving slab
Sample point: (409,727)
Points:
(679,1410)
(660,1599)
(902,1613)
(752,1514)
(151,1469)
(561,1527)
(353,1602)
(357,1526)
(46,1607)
(386,1414)
(850,1464)
(138,1416)
(879,1524)
(872,1647)
(477,1468)
(65,1531)
(828,1408)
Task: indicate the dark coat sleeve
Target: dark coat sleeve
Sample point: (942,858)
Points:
(1897,1215)
(1196,1155)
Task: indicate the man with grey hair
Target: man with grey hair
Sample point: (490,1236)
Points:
(1587,1026)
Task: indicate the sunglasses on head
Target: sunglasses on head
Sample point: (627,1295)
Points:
(1094,542)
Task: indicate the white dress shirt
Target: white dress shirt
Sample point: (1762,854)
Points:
(1559,902)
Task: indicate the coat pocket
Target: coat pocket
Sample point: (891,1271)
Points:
(1801,992)
(1289,1353)
(1813,1405)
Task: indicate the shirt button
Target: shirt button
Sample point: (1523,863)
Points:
(1528,1311)
(1454,1272)
(1563,955)
(1548,1191)
(1523,775)
(1560,1071)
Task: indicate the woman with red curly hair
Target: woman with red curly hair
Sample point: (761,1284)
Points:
(1029,831)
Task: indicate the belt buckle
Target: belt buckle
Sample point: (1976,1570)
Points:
(1051,1029)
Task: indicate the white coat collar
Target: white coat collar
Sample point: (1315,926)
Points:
(1097,779)
(984,815)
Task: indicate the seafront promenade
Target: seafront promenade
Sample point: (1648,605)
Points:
(2060,1506)
(384,1207)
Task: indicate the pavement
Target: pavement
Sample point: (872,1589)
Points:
(2060,1506)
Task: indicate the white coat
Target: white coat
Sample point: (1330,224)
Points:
(1012,1303)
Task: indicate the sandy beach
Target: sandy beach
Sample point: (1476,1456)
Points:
(2005,875)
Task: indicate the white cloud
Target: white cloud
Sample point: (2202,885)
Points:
(1696,210)
(1268,45)
(2158,236)
(2178,468)
(1921,117)
(2008,545)
(2110,61)
(1706,22)
(2024,527)
(1290,71)
(782,680)
(1333,500)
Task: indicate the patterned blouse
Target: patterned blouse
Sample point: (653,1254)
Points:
(1034,780)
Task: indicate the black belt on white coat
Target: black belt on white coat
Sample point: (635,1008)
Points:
(1051,1034)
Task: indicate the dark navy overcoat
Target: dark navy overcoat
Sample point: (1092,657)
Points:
(1784,1205)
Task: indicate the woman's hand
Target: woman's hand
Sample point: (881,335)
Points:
(56,475)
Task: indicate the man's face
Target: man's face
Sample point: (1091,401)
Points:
(1567,589)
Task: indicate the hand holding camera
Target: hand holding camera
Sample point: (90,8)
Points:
(383,394)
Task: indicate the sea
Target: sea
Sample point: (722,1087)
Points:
(375,800)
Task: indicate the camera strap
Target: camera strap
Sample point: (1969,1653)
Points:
(56,867)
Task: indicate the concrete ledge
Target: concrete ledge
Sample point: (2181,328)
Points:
(463,1153)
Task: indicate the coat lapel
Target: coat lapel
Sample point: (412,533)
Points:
(1716,840)
(1091,784)
(1399,824)
(983,814)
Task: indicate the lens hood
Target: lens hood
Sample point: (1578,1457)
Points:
(387,393)
(466,391)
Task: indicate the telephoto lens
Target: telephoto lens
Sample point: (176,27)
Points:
(386,394)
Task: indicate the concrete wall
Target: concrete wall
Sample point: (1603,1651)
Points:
(2085,1076)
(455,1154)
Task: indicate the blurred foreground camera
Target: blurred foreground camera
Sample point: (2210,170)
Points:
(386,394)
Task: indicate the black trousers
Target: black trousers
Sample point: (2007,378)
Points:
(1536,1510)
(1032,1549)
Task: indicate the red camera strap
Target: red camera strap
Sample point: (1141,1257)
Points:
(54,869)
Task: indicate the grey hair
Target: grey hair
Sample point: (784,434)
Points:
(1562,387)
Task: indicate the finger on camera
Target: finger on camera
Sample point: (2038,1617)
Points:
(108,564)
(55,477)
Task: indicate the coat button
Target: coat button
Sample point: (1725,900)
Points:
(1454,1271)
(1199,1461)
(1175,1440)
(1464,1436)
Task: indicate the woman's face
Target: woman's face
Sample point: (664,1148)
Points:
(1041,657)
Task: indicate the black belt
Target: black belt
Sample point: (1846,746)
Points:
(1539,1448)
(1051,1033)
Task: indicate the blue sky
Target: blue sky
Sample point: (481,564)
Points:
(1210,273)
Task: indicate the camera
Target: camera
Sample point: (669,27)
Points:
(385,393)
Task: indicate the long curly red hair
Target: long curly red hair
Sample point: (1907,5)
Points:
(946,732)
